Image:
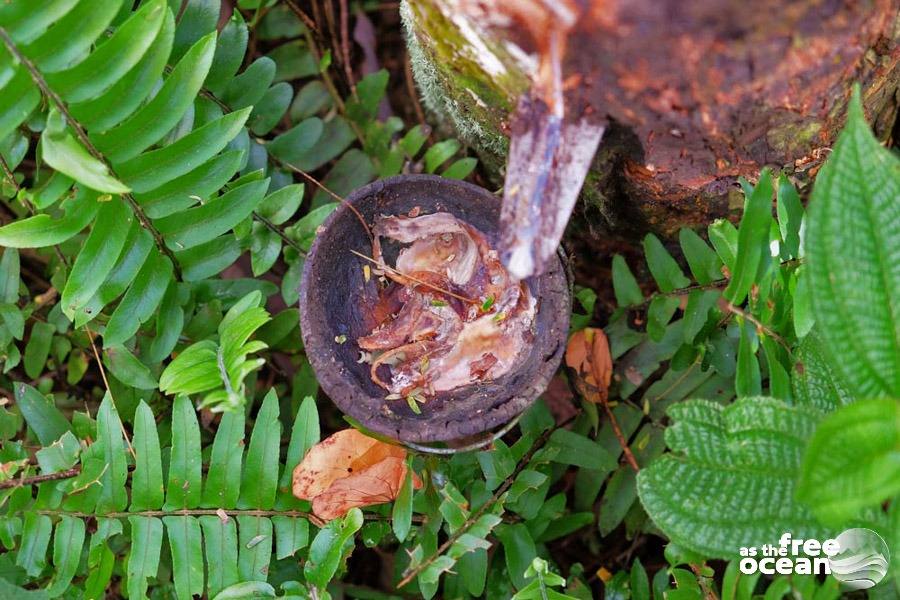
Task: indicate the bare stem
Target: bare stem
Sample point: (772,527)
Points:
(26,481)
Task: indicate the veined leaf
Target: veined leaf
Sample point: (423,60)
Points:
(113,496)
(230,50)
(223,481)
(703,261)
(43,230)
(753,239)
(68,542)
(221,542)
(852,461)
(129,92)
(204,223)
(183,489)
(741,459)
(143,560)
(112,59)
(260,480)
(852,249)
(625,285)
(140,301)
(66,154)
(815,380)
(328,547)
(36,530)
(663,267)
(41,415)
(147,479)
(69,39)
(152,121)
(254,546)
(98,255)
(187,555)
(25,24)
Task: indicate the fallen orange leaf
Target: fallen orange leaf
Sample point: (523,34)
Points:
(348,470)
(588,355)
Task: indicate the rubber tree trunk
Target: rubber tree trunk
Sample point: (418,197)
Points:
(696,92)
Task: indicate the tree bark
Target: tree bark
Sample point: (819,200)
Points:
(696,93)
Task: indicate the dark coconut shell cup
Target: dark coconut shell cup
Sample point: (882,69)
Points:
(335,296)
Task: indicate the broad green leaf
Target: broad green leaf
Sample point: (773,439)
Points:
(60,455)
(32,555)
(140,301)
(328,547)
(112,59)
(696,312)
(128,369)
(291,534)
(98,255)
(134,253)
(267,112)
(313,98)
(851,248)
(279,206)
(18,98)
(663,267)
(37,350)
(101,558)
(25,24)
(571,448)
(69,39)
(67,155)
(230,49)
(352,170)
(401,515)
(753,239)
(157,170)
(198,18)
(440,153)
(742,459)
(147,479)
(206,260)
(260,480)
(9,276)
(143,560)
(183,489)
(724,238)
(130,91)
(852,461)
(291,145)
(660,312)
(68,542)
(223,481)
(790,215)
(639,583)
(747,379)
(249,87)
(185,191)
(625,285)
(43,230)
(206,222)
(187,555)
(194,370)
(247,590)
(169,324)
(113,496)
(153,120)
(518,550)
(40,413)
(254,546)
(460,169)
(221,542)
(705,265)
(305,434)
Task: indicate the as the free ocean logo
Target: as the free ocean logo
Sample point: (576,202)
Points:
(858,558)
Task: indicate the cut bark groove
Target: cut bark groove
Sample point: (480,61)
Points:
(334,292)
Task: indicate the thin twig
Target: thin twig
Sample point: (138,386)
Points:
(301,14)
(414,94)
(760,326)
(322,186)
(539,443)
(35,479)
(436,288)
(199,512)
(277,231)
(106,384)
(345,46)
(82,136)
(7,172)
(626,450)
